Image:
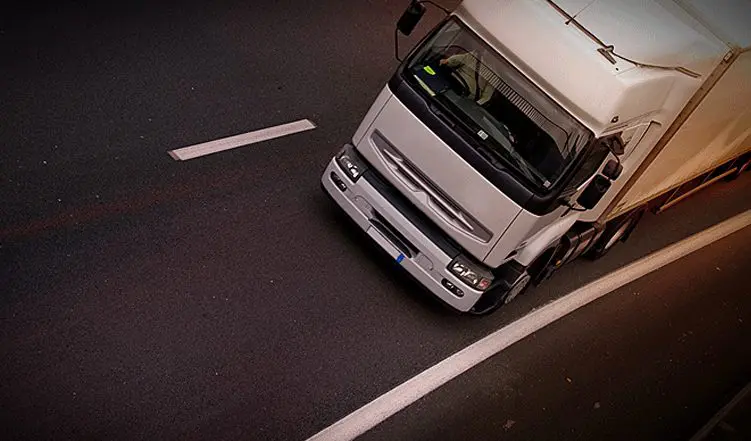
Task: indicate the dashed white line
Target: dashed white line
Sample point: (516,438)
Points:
(383,407)
(219,145)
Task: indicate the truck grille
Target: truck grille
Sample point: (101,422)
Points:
(415,216)
(416,182)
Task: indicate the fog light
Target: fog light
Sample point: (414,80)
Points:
(453,288)
(338,182)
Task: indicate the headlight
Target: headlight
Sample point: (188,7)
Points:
(471,274)
(351,162)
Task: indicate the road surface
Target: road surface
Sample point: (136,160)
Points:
(223,297)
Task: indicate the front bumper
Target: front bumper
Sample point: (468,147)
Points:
(401,238)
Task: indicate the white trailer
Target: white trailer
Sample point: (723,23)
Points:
(520,134)
(709,143)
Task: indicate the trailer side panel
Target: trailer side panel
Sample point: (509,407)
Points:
(716,132)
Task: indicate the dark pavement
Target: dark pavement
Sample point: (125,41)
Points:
(222,297)
(653,360)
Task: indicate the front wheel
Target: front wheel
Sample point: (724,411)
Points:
(495,298)
(518,289)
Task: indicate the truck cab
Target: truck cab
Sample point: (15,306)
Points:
(501,138)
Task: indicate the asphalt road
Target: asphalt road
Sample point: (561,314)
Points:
(222,297)
(653,360)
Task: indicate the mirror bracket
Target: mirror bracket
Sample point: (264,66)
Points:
(409,19)
(594,192)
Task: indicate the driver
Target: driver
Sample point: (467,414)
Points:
(468,66)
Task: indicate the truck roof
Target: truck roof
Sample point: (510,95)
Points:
(565,62)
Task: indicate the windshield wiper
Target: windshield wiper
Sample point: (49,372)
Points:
(472,127)
(492,155)
(522,165)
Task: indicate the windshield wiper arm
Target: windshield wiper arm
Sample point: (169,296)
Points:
(520,164)
(524,167)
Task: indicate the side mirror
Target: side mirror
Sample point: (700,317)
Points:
(410,18)
(615,145)
(594,192)
(612,170)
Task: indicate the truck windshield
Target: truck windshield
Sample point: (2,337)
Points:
(512,122)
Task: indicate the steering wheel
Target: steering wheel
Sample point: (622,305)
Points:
(457,81)
(460,82)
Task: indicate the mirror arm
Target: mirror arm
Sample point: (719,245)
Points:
(396,31)
(617,158)
(570,207)
(396,45)
(446,11)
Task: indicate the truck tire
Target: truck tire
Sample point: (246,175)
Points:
(616,231)
(494,299)
(533,274)
(518,289)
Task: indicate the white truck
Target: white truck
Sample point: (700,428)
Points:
(520,134)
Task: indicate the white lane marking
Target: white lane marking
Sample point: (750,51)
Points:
(719,416)
(378,410)
(219,145)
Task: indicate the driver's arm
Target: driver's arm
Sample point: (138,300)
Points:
(455,60)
